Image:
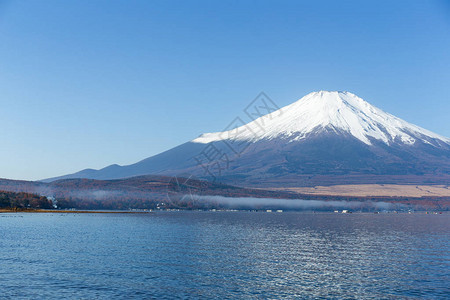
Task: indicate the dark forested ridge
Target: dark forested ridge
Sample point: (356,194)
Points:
(151,192)
(23,200)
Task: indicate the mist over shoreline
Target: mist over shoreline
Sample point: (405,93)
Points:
(290,204)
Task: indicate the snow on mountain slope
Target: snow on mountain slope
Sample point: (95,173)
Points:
(325,137)
(338,111)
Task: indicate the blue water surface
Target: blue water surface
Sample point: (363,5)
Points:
(224,255)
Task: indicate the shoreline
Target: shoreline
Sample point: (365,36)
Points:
(268,211)
(71,211)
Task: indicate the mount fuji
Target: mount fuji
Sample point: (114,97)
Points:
(322,139)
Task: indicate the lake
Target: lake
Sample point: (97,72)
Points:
(223,255)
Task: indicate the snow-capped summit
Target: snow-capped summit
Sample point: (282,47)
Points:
(336,111)
(323,138)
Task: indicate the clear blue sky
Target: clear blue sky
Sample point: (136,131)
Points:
(92,83)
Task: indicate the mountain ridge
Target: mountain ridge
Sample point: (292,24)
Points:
(334,134)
